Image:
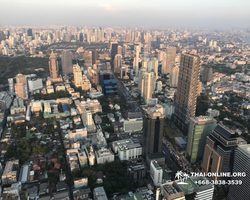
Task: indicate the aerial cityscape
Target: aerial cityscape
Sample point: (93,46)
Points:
(123,111)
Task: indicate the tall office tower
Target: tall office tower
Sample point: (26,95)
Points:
(199,88)
(20,78)
(147,85)
(186,95)
(57,36)
(149,45)
(173,76)
(6,50)
(68,37)
(219,150)
(2,36)
(94,56)
(136,59)
(21,90)
(29,32)
(168,60)
(119,50)
(53,66)
(66,62)
(145,63)
(81,37)
(207,74)
(124,50)
(11,85)
(199,128)
(152,65)
(88,60)
(77,75)
(141,72)
(153,124)
(117,63)
(113,50)
(241,164)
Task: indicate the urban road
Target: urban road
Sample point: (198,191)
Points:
(68,172)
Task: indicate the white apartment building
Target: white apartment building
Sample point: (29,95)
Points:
(104,155)
(156,173)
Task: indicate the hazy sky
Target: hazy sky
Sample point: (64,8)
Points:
(149,13)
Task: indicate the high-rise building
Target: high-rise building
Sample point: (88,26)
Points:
(219,150)
(21,90)
(168,60)
(173,76)
(68,37)
(153,65)
(11,85)
(66,62)
(113,50)
(77,75)
(199,129)
(53,66)
(117,63)
(153,124)
(207,74)
(81,37)
(241,164)
(136,59)
(20,78)
(94,56)
(29,32)
(2,36)
(188,190)
(88,60)
(186,97)
(141,72)
(147,85)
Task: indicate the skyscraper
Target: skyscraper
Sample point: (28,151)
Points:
(113,50)
(117,63)
(20,78)
(53,66)
(173,76)
(168,60)
(21,90)
(207,74)
(186,96)
(136,59)
(66,62)
(94,56)
(153,124)
(29,32)
(88,60)
(141,72)
(77,75)
(219,150)
(147,85)
(199,129)
(241,164)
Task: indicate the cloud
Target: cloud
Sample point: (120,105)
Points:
(107,7)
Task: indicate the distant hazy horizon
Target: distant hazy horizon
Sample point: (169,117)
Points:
(222,14)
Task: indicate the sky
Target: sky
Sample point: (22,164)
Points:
(218,14)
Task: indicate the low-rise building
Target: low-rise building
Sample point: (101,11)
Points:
(99,194)
(81,182)
(104,155)
(10,172)
(127,149)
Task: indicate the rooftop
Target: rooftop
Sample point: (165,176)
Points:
(245,148)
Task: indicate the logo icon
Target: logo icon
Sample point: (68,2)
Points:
(182,177)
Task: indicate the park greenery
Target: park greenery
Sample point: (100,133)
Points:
(56,95)
(11,66)
(115,177)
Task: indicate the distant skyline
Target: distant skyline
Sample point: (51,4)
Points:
(218,14)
